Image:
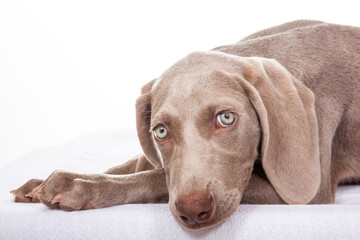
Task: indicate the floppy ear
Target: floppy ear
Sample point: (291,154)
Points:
(290,147)
(143,117)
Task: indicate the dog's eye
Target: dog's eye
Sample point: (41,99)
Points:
(225,119)
(161,133)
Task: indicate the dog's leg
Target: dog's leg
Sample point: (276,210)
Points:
(259,190)
(139,163)
(71,191)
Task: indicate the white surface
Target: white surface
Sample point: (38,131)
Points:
(75,66)
(97,152)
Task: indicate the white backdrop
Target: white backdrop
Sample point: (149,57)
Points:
(71,67)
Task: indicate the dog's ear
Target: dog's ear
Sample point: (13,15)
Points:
(286,111)
(143,118)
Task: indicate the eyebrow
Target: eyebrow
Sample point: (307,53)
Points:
(162,118)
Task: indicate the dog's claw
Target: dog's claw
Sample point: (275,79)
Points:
(56,199)
(30,195)
(37,190)
(13,192)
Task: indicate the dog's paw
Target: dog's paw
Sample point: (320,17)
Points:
(24,194)
(68,191)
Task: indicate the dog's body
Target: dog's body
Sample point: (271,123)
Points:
(282,105)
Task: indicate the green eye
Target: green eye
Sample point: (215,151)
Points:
(226,119)
(161,133)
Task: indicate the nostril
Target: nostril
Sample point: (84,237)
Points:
(188,221)
(184,219)
(208,207)
(202,215)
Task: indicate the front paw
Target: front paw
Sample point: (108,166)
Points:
(24,194)
(68,191)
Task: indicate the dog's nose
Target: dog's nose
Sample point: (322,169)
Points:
(195,208)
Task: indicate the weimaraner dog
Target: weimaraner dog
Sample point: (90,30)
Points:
(272,119)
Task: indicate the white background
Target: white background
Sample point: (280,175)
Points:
(72,67)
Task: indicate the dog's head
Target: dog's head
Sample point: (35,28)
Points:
(210,116)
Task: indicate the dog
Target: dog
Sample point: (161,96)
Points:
(271,119)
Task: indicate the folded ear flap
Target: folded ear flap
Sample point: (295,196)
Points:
(290,147)
(143,117)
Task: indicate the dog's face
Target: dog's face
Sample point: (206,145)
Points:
(203,125)
(206,132)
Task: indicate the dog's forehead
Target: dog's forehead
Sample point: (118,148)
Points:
(196,81)
(181,93)
(192,79)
